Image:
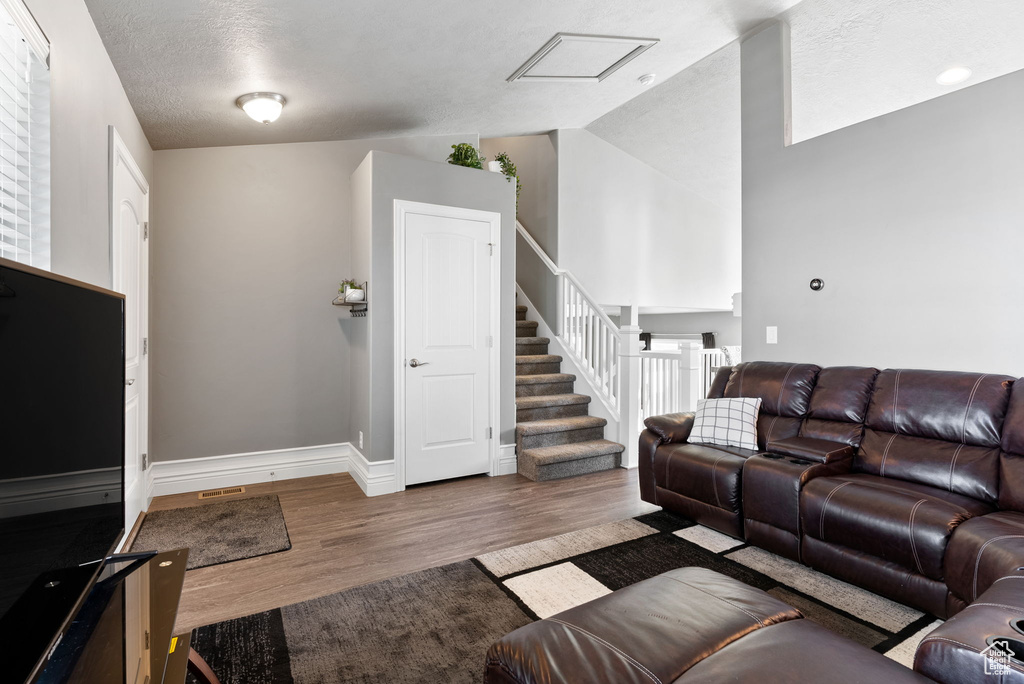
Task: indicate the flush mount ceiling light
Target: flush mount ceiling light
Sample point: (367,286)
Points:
(581,58)
(953,76)
(262,107)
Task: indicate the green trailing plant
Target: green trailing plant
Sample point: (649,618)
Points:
(509,169)
(465,154)
(351,284)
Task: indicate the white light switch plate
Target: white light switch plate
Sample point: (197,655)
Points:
(772,334)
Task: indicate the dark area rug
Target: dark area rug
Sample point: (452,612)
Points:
(436,625)
(219,532)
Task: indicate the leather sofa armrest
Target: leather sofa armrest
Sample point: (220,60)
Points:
(810,449)
(671,428)
(961,651)
(667,429)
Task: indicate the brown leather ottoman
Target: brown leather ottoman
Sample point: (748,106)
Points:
(687,625)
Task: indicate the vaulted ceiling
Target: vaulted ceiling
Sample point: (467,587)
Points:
(357,69)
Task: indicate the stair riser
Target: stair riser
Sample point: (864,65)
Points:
(523,349)
(558,438)
(543,389)
(538,368)
(546,412)
(520,315)
(526,329)
(556,471)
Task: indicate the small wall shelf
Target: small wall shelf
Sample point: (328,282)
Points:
(356,309)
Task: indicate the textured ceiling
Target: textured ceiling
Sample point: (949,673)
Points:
(357,69)
(851,61)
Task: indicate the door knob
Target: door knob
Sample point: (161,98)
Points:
(414,363)
(130,381)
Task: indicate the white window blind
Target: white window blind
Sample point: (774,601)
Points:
(24,138)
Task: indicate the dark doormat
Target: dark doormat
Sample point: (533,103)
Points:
(217,533)
(436,625)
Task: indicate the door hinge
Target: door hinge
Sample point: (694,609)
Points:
(145,461)
(145,230)
(145,346)
(490,433)
(490,247)
(147,639)
(490,341)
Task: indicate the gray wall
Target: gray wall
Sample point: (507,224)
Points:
(248,246)
(619,217)
(398,177)
(86,96)
(728,329)
(537,163)
(915,220)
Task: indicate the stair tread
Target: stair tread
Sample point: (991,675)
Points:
(547,400)
(537,358)
(532,340)
(520,307)
(549,425)
(573,452)
(543,378)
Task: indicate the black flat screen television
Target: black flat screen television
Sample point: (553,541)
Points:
(61,454)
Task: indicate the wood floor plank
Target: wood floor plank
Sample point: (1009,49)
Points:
(342,538)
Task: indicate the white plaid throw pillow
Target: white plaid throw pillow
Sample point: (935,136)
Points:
(726,422)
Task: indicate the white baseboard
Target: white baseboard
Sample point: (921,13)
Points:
(214,472)
(43,493)
(373,477)
(507,462)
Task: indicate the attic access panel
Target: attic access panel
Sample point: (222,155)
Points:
(582,58)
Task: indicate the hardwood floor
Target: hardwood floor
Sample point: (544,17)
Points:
(342,538)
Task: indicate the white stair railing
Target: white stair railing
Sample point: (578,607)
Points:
(586,331)
(669,381)
(660,383)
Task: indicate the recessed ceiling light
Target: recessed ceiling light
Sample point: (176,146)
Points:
(647,79)
(262,107)
(953,76)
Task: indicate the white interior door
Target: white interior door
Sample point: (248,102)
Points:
(129,215)
(449,331)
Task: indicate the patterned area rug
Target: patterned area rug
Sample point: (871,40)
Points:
(219,532)
(436,625)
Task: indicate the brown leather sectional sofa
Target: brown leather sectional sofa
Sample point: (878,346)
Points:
(909,483)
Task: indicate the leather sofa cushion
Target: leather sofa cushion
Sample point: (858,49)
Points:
(952,653)
(982,550)
(717,389)
(968,470)
(842,393)
(900,522)
(797,651)
(784,388)
(963,408)
(709,474)
(652,631)
(839,404)
(771,427)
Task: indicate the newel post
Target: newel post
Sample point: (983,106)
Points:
(629,387)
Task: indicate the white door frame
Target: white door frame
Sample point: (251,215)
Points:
(119,154)
(402,208)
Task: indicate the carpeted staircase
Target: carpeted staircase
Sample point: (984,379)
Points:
(555,434)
